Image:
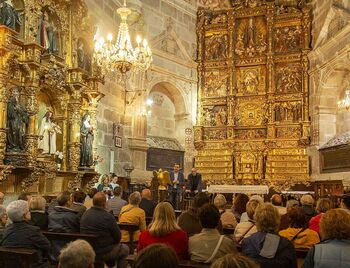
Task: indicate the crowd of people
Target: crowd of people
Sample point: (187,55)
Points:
(266,234)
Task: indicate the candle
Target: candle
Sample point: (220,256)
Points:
(111,162)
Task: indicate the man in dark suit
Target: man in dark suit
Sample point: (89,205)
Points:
(146,203)
(177,179)
(194,181)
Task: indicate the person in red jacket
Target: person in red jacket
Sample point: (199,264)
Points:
(323,205)
(164,229)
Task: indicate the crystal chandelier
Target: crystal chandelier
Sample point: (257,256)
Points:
(122,56)
(345,103)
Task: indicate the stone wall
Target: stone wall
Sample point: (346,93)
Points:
(169,27)
(329,78)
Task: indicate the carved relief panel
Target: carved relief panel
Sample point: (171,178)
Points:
(287,39)
(215,84)
(289,78)
(251,80)
(215,116)
(216,46)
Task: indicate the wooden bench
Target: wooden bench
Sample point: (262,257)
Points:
(131,229)
(69,237)
(182,263)
(24,256)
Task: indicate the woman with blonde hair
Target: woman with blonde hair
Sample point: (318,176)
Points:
(334,249)
(234,261)
(164,229)
(39,216)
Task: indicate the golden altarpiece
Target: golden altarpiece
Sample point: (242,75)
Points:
(46,66)
(252,117)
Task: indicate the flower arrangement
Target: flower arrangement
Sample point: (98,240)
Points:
(97,159)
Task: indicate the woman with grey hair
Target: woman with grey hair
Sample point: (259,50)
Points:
(227,218)
(131,213)
(21,234)
(77,254)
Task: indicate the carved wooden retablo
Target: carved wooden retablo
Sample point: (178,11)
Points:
(253,119)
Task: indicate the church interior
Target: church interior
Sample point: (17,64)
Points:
(252,95)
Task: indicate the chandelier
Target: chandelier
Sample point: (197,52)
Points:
(345,103)
(122,56)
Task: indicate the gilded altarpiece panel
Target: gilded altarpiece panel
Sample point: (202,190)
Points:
(252,117)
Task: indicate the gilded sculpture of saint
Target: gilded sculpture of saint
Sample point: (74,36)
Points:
(86,140)
(251,82)
(46,34)
(48,134)
(17,118)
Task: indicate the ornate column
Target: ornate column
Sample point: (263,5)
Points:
(3,115)
(74,120)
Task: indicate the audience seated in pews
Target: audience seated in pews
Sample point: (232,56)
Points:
(22,234)
(277,202)
(164,229)
(307,205)
(156,256)
(38,214)
(89,197)
(97,220)
(285,221)
(334,249)
(3,220)
(189,220)
(247,228)
(78,197)
(266,247)
(234,261)
(227,218)
(131,213)
(62,220)
(2,198)
(116,203)
(298,233)
(146,202)
(77,254)
(239,206)
(323,205)
(209,245)
(345,203)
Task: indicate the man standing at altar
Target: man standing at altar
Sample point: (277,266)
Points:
(177,183)
(194,181)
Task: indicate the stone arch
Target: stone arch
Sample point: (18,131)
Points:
(334,82)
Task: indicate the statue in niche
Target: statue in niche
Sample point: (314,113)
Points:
(9,15)
(83,56)
(220,117)
(251,82)
(46,34)
(86,140)
(48,131)
(17,118)
(251,33)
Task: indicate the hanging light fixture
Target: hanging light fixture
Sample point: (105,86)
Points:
(122,56)
(345,102)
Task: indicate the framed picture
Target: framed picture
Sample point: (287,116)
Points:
(118,141)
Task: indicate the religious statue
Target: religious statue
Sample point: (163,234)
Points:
(48,131)
(164,180)
(9,15)
(17,118)
(83,56)
(250,82)
(46,36)
(86,140)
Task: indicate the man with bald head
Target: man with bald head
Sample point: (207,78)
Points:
(97,220)
(194,181)
(146,203)
(276,200)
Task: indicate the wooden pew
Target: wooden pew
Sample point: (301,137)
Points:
(69,237)
(24,256)
(131,229)
(182,263)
